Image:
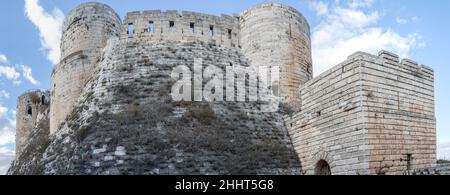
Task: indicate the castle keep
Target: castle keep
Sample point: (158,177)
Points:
(368,115)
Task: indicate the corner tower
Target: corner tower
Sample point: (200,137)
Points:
(32,107)
(86,31)
(276,35)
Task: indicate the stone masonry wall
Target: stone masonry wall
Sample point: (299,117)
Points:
(171,26)
(125,121)
(88,26)
(401,114)
(278,35)
(331,125)
(85,32)
(30,109)
(368,115)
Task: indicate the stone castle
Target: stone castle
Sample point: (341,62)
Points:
(109,111)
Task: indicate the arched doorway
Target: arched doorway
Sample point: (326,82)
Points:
(322,168)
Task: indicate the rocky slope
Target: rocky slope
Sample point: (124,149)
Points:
(127,123)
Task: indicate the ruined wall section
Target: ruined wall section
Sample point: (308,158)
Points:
(187,27)
(32,108)
(278,35)
(401,114)
(85,33)
(331,126)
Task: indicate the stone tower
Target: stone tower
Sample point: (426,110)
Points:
(278,35)
(86,31)
(32,106)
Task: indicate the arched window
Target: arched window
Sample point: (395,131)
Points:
(43,100)
(29,110)
(322,168)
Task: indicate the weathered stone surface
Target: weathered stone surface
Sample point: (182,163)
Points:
(125,122)
(111,111)
(368,115)
(32,112)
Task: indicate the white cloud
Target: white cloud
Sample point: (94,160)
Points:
(360,3)
(9,72)
(415,19)
(27,74)
(7,136)
(3,59)
(443,150)
(351,27)
(6,157)
(401,20)
(49,26)
(3,111)
(4,94)
(320,7)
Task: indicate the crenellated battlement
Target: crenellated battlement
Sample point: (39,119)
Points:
(172,26)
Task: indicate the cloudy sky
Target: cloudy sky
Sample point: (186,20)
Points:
(417,29)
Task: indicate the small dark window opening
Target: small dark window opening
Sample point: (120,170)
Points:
(29,110)
(229,33)
(43,100)
(319,113)
(211,30)
(130,31)
(408,161)
(171,24)
(192,27)
(151,27)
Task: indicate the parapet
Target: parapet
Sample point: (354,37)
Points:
(171,26)
(88,26)
(292,13)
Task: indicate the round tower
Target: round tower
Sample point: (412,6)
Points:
(86,30)
(275,35)
(29,106)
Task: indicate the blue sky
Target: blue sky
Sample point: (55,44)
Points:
(415,29)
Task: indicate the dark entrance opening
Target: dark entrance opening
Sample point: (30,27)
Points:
(322,168)
(29,110)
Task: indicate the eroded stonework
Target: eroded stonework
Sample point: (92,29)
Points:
(110,110)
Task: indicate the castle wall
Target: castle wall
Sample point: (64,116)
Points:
(278,35)
(29,106)
(85,33)
(332,124)
(368,115)
(401,114)
(89,25)
(171,26)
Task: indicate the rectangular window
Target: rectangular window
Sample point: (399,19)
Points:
(229,33)
(211,30)
(130,30)
(171,24)
(151,27)
(192,27)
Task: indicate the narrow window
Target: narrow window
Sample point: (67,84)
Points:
(29,110)
(211,30)
(229,33)
(408,161)
(130,30)
(43,100)
(192,27)
(171,24)
(151,27)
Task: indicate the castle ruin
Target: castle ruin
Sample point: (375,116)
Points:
(367,115)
